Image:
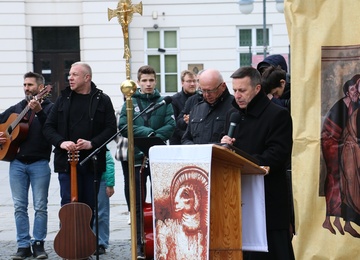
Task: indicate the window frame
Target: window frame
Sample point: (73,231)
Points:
(161,75)
(255,49)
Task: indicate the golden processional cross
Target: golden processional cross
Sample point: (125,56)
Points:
(124,12)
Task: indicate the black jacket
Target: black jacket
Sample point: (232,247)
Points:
(206,122)
(279,60)
(189,104)
(35,147)
(103,127)
(178,103)
(265,132)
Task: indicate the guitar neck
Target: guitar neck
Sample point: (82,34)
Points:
(43,93)
(74,185)
(18,119)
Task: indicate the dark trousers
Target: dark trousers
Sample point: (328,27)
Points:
(86,188)
(140,187)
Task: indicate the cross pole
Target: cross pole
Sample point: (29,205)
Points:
(124,12)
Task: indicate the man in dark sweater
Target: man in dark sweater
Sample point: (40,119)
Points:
(29,164)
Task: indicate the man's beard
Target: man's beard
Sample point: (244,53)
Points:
(28,97)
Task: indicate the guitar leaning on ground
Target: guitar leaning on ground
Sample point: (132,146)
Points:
(16,128)
(75,239)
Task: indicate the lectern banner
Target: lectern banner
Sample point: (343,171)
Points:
(181,177)
(180,186)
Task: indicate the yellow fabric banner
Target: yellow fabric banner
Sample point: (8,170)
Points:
(325,59)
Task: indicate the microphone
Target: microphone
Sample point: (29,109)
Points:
(234,121)
(166,100)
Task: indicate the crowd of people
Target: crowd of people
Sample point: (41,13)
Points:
(83,119)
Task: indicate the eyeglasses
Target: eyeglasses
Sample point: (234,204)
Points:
(211,91)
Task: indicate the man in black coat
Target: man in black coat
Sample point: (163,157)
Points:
(82,119)
(265,132)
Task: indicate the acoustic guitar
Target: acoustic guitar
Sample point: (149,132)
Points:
(15,129)
(75,239)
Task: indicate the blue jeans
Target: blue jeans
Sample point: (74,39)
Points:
(21,176)
(104,215)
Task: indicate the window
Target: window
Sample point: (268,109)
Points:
(162,54)
(251,46)
(64,39)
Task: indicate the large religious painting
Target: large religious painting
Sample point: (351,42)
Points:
(340,139)
(325,62)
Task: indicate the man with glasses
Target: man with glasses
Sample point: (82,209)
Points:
(206,122)
(188,82)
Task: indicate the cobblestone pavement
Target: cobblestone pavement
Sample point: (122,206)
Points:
(120,234)
(118,249)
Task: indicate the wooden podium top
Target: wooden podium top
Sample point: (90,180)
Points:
(246,166)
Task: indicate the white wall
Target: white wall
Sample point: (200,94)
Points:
(207,30)
(13,51)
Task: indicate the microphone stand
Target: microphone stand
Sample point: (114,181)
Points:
(97,150)
(93,155)
(96,188)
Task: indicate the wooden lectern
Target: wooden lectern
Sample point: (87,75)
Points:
(225,207)
(176,165)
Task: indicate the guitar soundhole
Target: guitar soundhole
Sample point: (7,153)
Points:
(9,130)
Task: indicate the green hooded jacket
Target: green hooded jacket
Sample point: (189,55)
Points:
(160,122)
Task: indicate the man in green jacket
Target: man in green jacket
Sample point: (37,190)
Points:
(160,123)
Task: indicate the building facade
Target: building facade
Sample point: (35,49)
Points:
(47,36)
